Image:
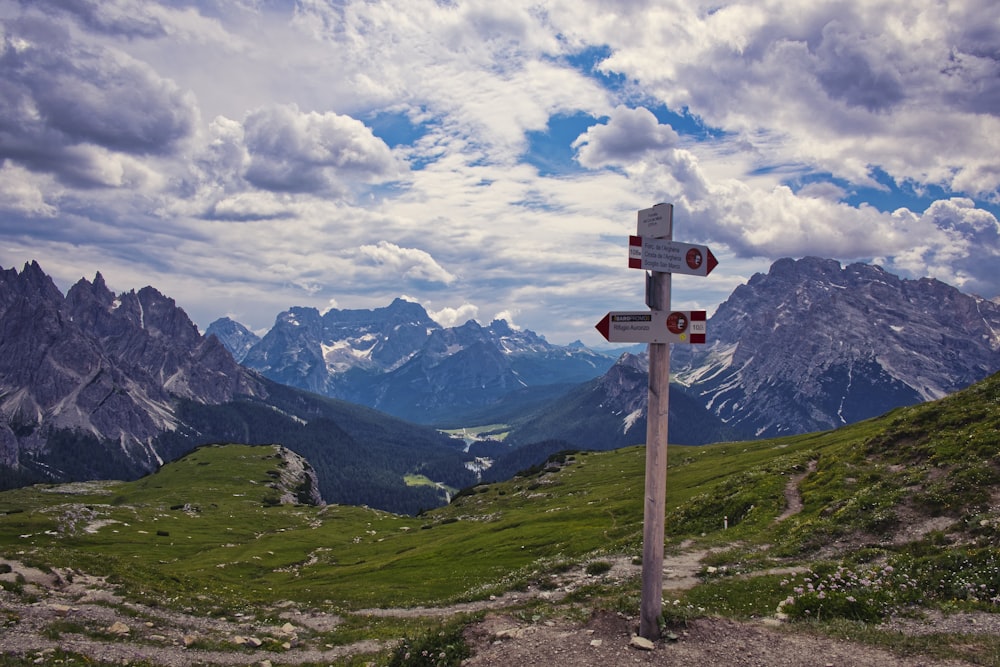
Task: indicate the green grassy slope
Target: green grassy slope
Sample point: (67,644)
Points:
(916,489)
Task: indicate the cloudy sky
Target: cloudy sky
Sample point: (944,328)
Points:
(488,158)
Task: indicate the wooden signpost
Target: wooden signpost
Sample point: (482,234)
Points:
(653,249)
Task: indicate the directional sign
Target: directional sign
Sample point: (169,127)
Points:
(670,256)
(654,326)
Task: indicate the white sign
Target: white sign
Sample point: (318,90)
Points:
(654,326)
(670,256)
(656,222)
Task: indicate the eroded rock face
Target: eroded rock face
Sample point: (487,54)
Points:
(298,483)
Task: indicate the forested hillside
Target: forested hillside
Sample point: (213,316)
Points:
(360,456)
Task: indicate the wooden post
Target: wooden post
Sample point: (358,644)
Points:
(654,521)
(658,223)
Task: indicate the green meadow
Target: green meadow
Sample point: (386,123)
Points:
(898,514)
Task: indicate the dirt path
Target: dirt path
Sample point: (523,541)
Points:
(116,630)
(793,498)
(123,632)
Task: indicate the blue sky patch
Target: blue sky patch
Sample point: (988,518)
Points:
(889,197)
(394,128)
(587,61)
(551,151)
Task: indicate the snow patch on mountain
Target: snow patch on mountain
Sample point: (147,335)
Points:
(343,355)
(631,418)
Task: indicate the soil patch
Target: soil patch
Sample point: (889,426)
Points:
(606,640)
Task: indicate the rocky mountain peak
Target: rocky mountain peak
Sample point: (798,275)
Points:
(234,336)
(626,384)
(33,275)
(812,345)
(807,267)
(85,294)
(633,362)
(299,316)
(31,283)
(404,310)
(161,316)
(105,365)
(501,328)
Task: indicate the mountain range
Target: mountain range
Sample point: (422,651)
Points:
(810,345)
(95,385)
(104,365)
(398,360)
(99,385)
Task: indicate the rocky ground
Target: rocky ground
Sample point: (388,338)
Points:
(606,640)
(83,615)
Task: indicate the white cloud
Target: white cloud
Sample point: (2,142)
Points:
(822,73)
(453,317)
(961,245)
(486,71)
(85,113)
(627,137)
(251,206)
(21,193)
(291,151)
(411,264)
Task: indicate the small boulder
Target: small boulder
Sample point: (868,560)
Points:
(118,628)
(641,643)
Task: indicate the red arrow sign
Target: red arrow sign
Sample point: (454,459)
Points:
(670,256)
(654,326)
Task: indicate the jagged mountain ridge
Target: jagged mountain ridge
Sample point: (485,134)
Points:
(398,360)
(813,345)
(315,351)
(101,364)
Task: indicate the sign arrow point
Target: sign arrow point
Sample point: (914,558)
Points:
(712,262)
(604,326)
